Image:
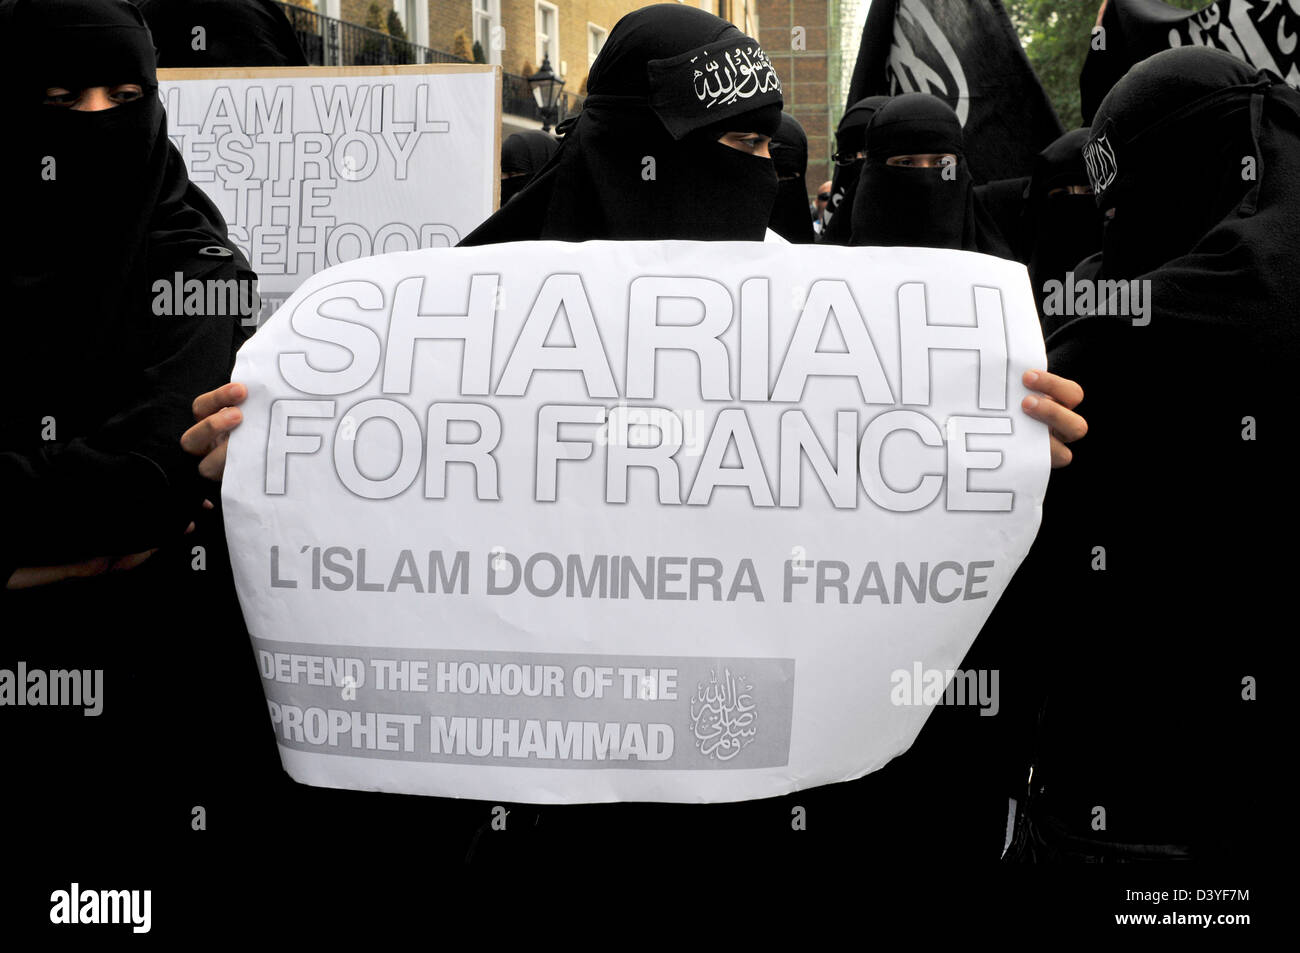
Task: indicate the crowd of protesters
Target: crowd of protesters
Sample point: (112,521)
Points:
(1117,682)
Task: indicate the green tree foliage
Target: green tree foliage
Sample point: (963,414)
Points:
(395,28)
(375,19)
(1056,35)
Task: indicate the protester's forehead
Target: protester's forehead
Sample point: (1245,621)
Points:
(655,32)
(790,132)
(1062,163)
(79,43)
(914,124)
(859,114)
(1167,82)
(913,108)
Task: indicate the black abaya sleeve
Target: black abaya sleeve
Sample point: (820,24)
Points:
(127,486)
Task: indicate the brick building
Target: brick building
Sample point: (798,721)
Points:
(802,37)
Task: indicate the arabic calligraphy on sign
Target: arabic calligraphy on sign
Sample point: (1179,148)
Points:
(723,715)
(736,74)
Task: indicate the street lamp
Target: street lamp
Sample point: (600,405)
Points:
(546,90)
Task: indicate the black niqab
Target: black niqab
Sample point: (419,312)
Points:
(641,160)
(523,155)
(850,138)
(100,207)
(1194,578)
(235,33)
(923,207)
(97,391)
(791,216)
(1065,228)
(1151,160)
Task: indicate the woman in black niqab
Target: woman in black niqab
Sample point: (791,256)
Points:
(850,139)
(791,215)
(523,155)
(1063,223)
(1198,154)
(930,207)
(642,160)
(99,378)
(100,207)
(1159,178)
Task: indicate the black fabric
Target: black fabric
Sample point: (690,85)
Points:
(850,138)
(100,207)
(235,33)
(523,155)
(620,174)
(1066,228)
(80,43)
(1147,712)
(97,392)
(791,218)
(1003,202)
(1261,34)
(713,84)
(967,53)
(1160,207)
(926,207)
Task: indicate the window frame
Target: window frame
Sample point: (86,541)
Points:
(592,30)
(552,39)
(489,13)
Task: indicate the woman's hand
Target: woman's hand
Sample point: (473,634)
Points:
(217,416)
(29,577)
(1054,404)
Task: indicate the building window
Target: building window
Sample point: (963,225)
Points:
(595,40)
(414,21)
(487,29)
(548,35)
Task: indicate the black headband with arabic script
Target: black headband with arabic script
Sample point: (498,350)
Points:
(727,78)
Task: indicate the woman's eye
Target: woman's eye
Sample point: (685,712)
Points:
(126,94)
(59,97)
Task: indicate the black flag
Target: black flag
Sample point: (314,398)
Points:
(1261,32)
(966,52)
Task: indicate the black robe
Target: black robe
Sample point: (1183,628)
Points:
(1063,229)
(1148,666)
(101,376)
(236,33)
(638,164)
(791,215)
(850,139)
(523,155)
(921,207)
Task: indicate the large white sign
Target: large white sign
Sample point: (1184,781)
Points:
(315,166)
(676,521)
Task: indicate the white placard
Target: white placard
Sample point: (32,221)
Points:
(319,165)
(677,521)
